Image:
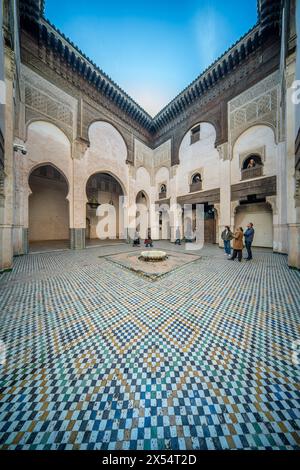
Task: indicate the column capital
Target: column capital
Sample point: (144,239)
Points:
(223,151)
(79,148)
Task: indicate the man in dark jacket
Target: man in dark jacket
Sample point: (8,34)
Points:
(249,235)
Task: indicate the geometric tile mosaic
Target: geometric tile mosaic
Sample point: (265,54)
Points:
(100,358)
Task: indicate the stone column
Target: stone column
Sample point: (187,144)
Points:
(280,239)
(294,250)
(77,196)
(273,202)
(233,205)
(19,247)
(224,209)
(7,177)
(293,211)
(294,229)
(175,217)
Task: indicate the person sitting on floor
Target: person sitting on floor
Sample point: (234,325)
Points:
(148,241)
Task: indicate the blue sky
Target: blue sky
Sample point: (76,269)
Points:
(152,49)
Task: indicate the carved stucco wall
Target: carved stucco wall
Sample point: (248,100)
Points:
(45,101)
(297,190)
(258,105)
(152,159)
(143,155)
(162,155)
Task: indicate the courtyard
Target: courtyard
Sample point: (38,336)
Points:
(101,357)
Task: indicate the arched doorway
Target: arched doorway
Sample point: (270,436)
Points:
(103,188)
(142,214)
(48,209)
(189,223)
(209,223)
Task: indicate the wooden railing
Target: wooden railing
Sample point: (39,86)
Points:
(252,172)
(196,187)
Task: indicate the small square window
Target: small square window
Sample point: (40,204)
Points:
(195,134)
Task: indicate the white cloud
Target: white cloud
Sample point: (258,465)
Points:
(211,31)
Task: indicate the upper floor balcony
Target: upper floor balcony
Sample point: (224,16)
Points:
(254,172)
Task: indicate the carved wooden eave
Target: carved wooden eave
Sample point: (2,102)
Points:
(62,51)
(210,196)
(32,8)
(220,69)
(201,97)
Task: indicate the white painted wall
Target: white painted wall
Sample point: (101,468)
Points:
(48,210)
(107,154)
(262,218)
(254,138)
(202,156)
(162,176)
(46,143)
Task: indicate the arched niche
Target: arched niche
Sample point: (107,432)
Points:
(48,208)
(104,195)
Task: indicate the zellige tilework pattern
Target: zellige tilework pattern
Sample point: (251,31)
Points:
(99,357)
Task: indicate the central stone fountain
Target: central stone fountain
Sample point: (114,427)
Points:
(153,255)
(152,263)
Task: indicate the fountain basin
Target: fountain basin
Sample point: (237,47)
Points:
(153,255)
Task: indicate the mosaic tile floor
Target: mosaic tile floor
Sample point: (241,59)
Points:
(154,270)
(101,358)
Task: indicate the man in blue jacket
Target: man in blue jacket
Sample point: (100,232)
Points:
(249,235)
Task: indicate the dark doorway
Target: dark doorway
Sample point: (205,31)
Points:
(209,224)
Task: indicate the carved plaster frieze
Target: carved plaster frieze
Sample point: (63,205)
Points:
(2,179)
(259,104)
(33,115)
(44,100)
(258,89)
(196,110)
(9,63)
(297,188)
(35,99)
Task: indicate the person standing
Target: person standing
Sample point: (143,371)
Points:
(249,235)
(227,236)
(136,239)
(178,237)
(238,244)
